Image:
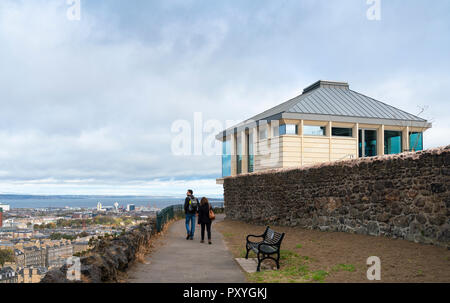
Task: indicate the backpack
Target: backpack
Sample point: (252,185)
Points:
(193,204)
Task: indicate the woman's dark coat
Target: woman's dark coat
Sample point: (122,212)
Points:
(203,214)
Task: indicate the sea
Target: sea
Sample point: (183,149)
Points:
(76,201)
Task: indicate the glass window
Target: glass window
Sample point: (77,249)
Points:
(367,143)
(238,154)
(312,130)
(360,143)
(250,152)
(262,133)
(275,131)
(341,132)
(288,129)
(415,141)
(226,158)
(392,142)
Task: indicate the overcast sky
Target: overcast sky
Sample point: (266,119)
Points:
(87,106)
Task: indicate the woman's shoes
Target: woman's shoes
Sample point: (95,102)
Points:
(209,242)
(202,241)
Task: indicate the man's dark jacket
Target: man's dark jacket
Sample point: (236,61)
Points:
(186,205)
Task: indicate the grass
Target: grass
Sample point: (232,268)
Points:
(228,235)
(294,269)
(344,267)
(298,246)
(319,275)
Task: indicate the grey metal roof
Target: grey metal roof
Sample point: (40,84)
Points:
(335,101)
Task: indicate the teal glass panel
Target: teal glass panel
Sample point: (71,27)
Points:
(370,143)
(360,143)
(392,142)
(415,141)
(226,158)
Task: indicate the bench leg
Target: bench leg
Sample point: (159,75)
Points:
(259,264)
(246,247)
(278,260)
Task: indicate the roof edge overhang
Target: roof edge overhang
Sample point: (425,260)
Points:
(318,117)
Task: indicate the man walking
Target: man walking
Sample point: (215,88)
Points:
(190,209)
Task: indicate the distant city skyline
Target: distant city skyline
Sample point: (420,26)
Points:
(88,104)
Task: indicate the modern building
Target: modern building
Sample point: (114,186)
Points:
(327,122)
(131,207)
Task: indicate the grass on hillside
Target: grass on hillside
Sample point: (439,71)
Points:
(294,268)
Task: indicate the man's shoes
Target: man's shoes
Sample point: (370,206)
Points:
(202,241)
(192,238)
(209,242)
(188,236)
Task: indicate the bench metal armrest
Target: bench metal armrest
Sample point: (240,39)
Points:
(254,236)
(258,236)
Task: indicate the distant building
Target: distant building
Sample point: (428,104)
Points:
(99,206)
(19,258)
(57,254)
(34,256)
(131,207)
(5,207)
(31,274)
(8,275)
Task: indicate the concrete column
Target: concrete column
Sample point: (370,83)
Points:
(300,132)
(233,154)
(380,141)
(356,136)
(244,152)
(405,139)
(328,133)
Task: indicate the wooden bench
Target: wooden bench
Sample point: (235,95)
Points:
(270,245)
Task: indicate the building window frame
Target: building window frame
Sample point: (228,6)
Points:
(323,130)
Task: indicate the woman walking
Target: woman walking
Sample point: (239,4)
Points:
(204,218)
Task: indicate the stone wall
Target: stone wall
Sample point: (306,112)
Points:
(400,196)
(109,257)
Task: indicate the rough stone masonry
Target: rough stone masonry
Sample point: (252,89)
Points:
(400,196)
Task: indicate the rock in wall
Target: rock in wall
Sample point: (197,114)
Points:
(400,196)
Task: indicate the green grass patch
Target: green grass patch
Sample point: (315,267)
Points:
(293,269)
(319,275)
(344,267)
(298,246)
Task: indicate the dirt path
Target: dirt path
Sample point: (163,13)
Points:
(177,260)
